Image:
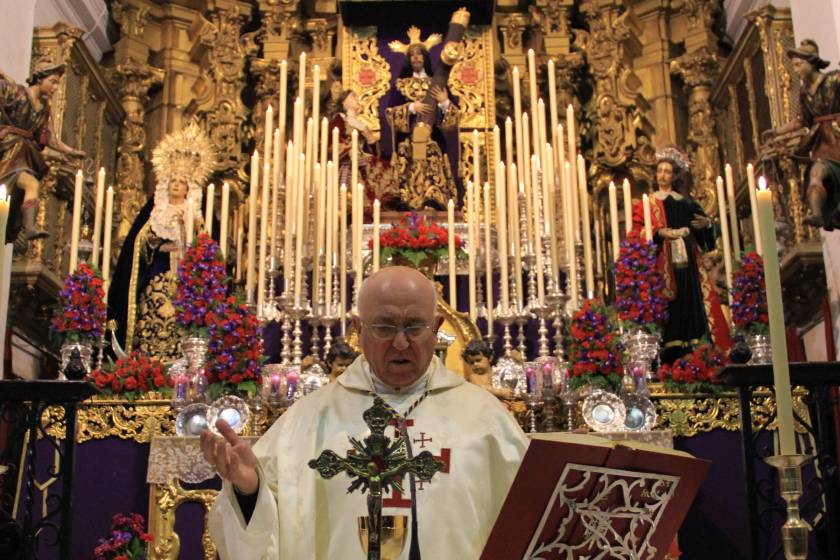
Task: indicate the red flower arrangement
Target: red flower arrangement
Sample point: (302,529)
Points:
(695,372)
(639,285)
(595,349)
(416,239)
(235,349)
(202,283)
(81,313)
(127,540)
(749,296)
(131,376)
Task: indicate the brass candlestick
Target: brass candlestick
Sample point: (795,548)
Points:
(795,530)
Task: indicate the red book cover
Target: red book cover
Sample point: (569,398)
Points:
(589,497)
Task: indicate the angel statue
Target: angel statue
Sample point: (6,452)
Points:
(26,136)
(419,114)
(144,282)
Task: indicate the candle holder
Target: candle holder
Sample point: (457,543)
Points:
(557,300)
(505,316)
(271,309)
(328,321)
(298,312)
(795,530)
(286,303)
(543,312)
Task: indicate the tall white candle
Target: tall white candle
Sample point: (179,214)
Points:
(223,222)
(614,221)
(646,210)
(268,133)
(189,224)
(302,78)
(572,225)
(501,231)
(754,207)
(571,129)
(302,198)
(733,212)
(724,234)
(250,280)
(376,206)
(472,217)
(453,292)
(288,225)
(358,266)
(488,257)
(354,158)
(276,177)
(263,249)
(552,107)
(77,220)
(549,198)
(318,248)
(628,206)
(775,311)
(526,175)
(106,242)
(316,111)
(538,250)
(208,208)
(329,252)
(532,91)
(476,157)
(586,229)
(508,144)
(517,120)
(342,258)
(97,215)
(281,115)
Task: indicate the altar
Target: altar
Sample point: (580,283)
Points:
(130,450)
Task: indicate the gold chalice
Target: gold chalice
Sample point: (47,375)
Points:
(392,537)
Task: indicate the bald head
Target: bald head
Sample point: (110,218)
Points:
(397,322)
(397,284)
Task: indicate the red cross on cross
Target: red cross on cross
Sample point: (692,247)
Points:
(397,501)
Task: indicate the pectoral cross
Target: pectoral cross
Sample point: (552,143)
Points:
(376,464)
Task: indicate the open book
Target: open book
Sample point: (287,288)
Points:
(582,496)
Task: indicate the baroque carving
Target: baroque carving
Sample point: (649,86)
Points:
(165,501)
(365,72)
(620,127)
(220,52)
(699,70)
(470,80)
(131,17)
(132,80)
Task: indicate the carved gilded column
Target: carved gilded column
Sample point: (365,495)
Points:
(513,27)
(699,71)
(620,128)
(220,51)
(132,80)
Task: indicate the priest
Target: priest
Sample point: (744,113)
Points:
(272,505)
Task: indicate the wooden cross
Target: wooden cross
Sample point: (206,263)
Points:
(376,465)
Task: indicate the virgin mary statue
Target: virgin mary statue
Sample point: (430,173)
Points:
(144,282)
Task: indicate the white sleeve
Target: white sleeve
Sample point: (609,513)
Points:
(234,539)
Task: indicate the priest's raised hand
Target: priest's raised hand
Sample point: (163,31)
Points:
(232,458)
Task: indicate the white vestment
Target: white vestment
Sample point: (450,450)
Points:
(299,515)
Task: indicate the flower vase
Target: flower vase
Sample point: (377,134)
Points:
(194,350)
(761,350)
(76,359)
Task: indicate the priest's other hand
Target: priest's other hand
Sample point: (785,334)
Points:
(232,458)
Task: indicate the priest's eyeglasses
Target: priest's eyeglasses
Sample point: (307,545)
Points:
(389,332)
